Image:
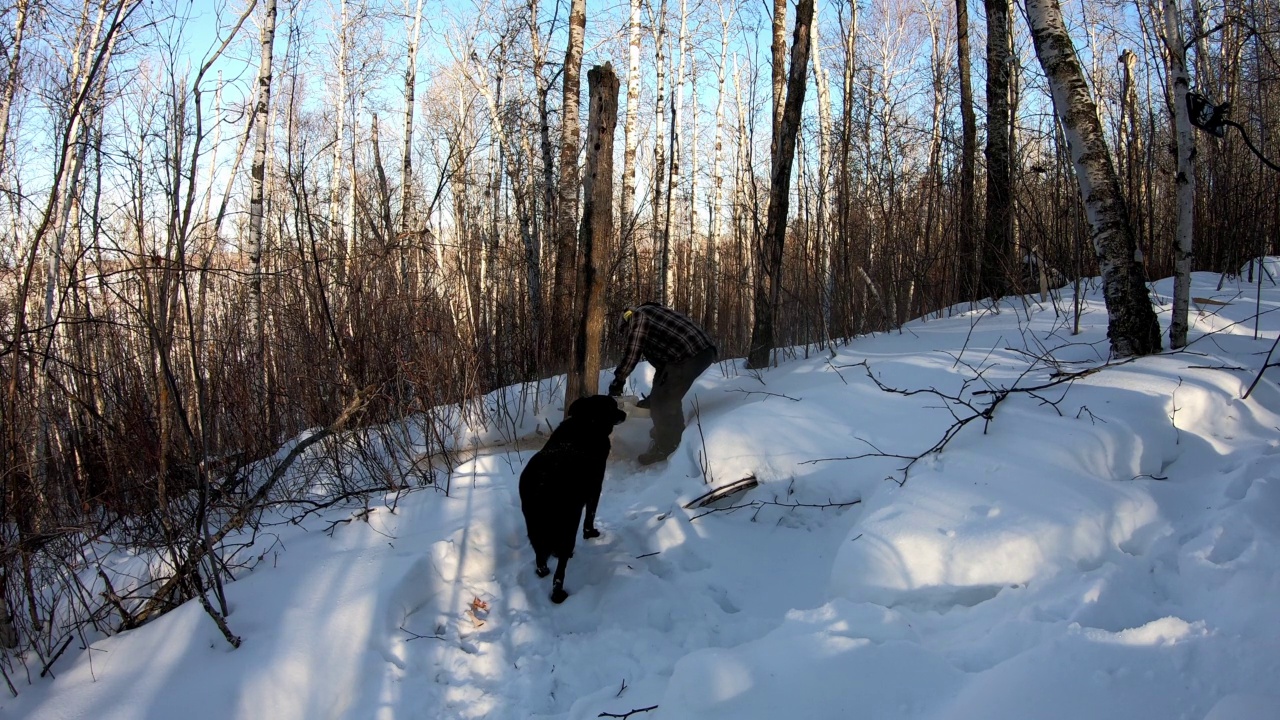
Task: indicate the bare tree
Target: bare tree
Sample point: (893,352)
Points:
(1185,179)
(966,225)
(768,285)
(1131,322)
(406,152)
(567,200)
(627,214)
(998,249)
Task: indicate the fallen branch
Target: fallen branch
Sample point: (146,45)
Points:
(1265,364)
(762,392)
(761,504)
(629,714)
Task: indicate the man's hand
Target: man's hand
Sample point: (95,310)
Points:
(616,387)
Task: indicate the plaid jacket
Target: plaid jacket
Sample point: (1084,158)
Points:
(661,336)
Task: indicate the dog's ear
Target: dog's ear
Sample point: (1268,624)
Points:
(577,407)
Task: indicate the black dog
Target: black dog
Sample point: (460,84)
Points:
(564,477)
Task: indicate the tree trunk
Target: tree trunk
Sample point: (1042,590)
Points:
(711,316)
(823,235)
(966,247)
(595,234)
(257,175)
(567,201)
(410,87)
(768,286)
(626,214)
(336,243)
(1185,180)
(1131,322)
(13,60)
(659,142)
(778,70)
(998,247)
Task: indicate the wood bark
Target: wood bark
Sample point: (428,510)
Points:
(406,150)
(769,281)
(778,69)
(1131,322)
(631,140)
(595,233)
(567,197)
(966,248)
(257,174)
(998,246)
(659,142)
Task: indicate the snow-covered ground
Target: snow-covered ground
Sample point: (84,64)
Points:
(1105,548)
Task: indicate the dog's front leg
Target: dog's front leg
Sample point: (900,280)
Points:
(558,593)
(540,564)
(589,521)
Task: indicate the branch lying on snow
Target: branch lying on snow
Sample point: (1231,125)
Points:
(965,411)
(762,392)
(761,504)
(629,714)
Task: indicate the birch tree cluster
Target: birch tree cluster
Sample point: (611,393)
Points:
(221,225)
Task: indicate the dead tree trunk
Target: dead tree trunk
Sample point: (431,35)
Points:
(768,283)
(595,233)
(1131,322)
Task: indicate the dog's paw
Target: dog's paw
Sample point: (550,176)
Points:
(589,533)
(542,571)
(558,595)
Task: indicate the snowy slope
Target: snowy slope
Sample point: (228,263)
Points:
(1107,548)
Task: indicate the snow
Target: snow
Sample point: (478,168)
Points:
(1105,548)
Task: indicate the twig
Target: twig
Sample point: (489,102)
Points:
(54,659)
(758,504)
(415,636)
(629,714)
(762,392)
(1265,364)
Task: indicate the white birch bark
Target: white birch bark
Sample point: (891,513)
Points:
(715,206)
(340,106)
(626,214)
(410,88)
(1132,326)
(1185,180)
(257,173)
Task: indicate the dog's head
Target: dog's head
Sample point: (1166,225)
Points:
(598,411)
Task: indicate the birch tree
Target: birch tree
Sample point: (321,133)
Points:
(631,140)
(406,152)
(257,174)
(1131,322)
(1185,179)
